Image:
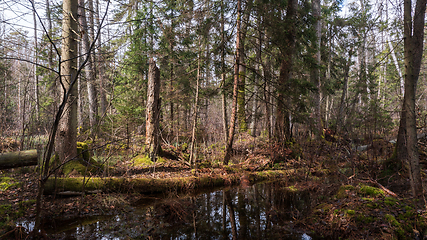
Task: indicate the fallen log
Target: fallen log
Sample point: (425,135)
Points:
(18,159)
(158,185)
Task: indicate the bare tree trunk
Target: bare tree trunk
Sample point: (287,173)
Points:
(67,138)
(153,111)
(256,82)
(224,89)
(36,59)
(267,92)
(229,145)
(89,70)
(413,44)
(196,106)
(101,69)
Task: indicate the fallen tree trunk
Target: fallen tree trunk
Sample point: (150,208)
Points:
(18,159)
(74,185)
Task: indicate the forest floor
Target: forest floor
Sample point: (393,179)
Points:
(360,195)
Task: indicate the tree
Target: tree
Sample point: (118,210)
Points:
(315,70)
(282,128)
(229,145)
(153,111)
(413,44)
(67,134)
(89,70)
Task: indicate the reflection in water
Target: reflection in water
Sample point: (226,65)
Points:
(260,211)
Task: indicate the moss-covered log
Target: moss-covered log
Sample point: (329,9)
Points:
(156,185)
(18,159)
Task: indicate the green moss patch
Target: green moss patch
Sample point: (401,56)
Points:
(7,182)
(84,165)
(371,191)
(142,161)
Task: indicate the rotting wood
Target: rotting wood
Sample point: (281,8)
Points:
(18,159)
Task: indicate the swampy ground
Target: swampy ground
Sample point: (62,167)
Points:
(356,194)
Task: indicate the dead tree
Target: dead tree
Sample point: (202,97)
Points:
(153,111)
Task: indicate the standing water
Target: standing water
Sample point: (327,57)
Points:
(261,211)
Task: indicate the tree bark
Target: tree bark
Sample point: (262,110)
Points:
(153,111)
(101,68)
(256,81)
(282,128)
(67,135)
(318,125)
(229,145)
(241,96)
(89,70)
(224,88)
(18,159)
(413,44)
(36,59)
(196,106)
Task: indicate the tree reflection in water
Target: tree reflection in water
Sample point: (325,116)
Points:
(265,210)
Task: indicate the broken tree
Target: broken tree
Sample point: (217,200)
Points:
(153,111)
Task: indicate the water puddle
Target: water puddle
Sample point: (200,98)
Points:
(261,211)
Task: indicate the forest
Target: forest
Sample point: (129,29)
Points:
(213,119)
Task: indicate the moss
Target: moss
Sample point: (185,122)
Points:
(343,191)
(83,151)
(350,212)
(397,226)
(390,201)
(142,161)
(7,182)
(371,191)
(83,165)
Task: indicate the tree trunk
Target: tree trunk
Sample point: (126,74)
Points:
(283,130)
(89,71)
(196,106)
(67,136)
(101,69)
(413,44)
(229,145)
(256,82)
(18,159)
(224,88)
(241,97)
(153,111)
(315,76)
(36,59)
(340,116)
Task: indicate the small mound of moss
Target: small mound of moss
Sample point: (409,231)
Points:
(82,165)
(371,191)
